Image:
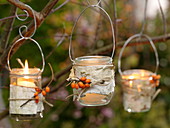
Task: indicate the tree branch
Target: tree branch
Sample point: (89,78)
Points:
(4,114)
(7,31)
(23,6)
(120,44)
(40,17)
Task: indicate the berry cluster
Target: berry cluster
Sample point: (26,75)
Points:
(38,91)
(155,79)
(81,83)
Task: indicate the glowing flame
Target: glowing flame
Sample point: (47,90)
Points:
(26,71)
(143,73)
(131,77)
(130,84)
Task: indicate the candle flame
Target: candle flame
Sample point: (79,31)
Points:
(131,77)
(130,83)
(26,67)
(143,73)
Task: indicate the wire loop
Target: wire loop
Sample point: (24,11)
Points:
(128,41)
(91,6)
(26,38)
(24,26)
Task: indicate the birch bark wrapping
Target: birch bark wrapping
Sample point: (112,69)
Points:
(22,88)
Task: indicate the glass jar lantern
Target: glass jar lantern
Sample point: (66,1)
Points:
(23,84)
(98,69)
(139,85)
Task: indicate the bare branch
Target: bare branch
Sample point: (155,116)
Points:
(40,17)
(156,39)
(60,6)
(23,6)
(4,114)
(7,31)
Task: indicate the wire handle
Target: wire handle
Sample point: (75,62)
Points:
(91,6)
(26,38)
(128,41)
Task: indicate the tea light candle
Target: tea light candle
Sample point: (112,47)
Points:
(26,81)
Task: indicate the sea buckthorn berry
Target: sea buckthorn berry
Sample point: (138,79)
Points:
(36,99)
(83,78)
(81,85)
(47,89)
(88,81)
(37,90)
(36,94)
(87,85)
(152,81)
(43,93)
(76,86)
(73,85)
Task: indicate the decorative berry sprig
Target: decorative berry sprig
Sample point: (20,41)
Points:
(42,91)
(83,83)
(80,83)
(155,79)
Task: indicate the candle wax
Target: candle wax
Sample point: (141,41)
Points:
(26,82)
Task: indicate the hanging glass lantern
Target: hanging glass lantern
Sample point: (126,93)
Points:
(26,93)
(25,82)
(139,85)
(92,77)
(98,85)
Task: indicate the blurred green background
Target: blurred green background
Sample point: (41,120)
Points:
(93,32)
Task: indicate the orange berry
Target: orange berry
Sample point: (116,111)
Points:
(73,85)
(37,90)
(83,78)
(87,85)
(36,99)
(152,81)
(81,85)
(47,89)
(43,93)
(36,94)
(88,81)
(76,86)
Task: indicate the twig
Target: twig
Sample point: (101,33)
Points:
(51,105)
(11,17)
(70,96)
(7,31)
(20,62)
(52,76)
(62,39)
(60,6)
(27,101)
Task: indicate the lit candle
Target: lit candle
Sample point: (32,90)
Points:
(23,82)
(138,90)
(26,81)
